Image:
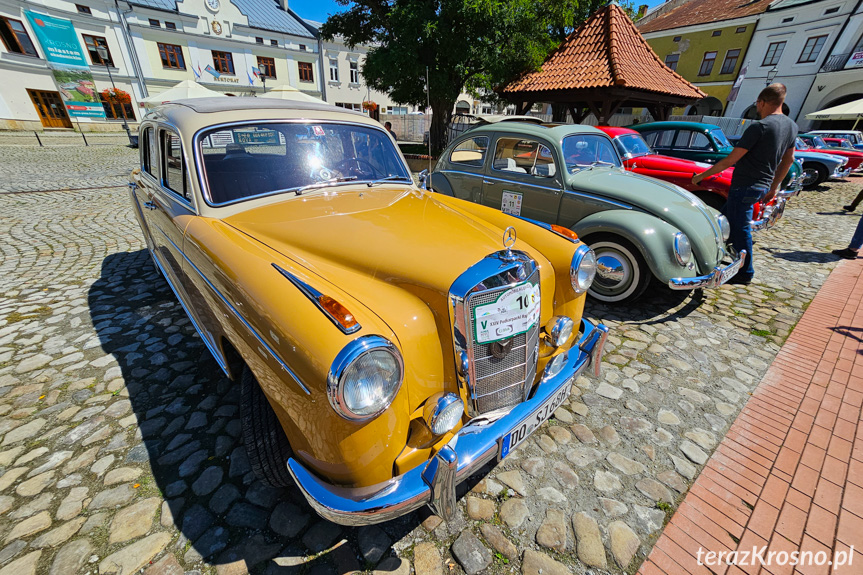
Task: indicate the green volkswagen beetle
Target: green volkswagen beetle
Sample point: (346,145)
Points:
(569,178)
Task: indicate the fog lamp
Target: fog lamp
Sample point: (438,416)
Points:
(443,412)
(555,366)
(559,330)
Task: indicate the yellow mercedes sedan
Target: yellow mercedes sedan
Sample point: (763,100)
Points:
(388,341)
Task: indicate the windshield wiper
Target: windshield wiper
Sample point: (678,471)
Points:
(389,179)
(323,183)
(601,163)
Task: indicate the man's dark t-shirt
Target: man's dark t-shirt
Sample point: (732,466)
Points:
(766,141)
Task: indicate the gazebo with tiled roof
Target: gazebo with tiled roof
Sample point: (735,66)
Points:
(604,64)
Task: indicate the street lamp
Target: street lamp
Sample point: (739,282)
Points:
(771,75)
(103,54)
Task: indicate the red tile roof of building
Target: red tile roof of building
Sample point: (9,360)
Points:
(607,51)
(703,12)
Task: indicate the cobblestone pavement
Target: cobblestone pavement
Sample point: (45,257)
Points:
(120,445)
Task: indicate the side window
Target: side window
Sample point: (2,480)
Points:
(173,167)
(470,152)
(700,142)
(524,157)
(682,139)
(150,153)
(662,139)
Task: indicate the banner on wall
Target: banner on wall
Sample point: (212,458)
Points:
(68,65)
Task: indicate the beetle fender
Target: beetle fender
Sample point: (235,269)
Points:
(653,237)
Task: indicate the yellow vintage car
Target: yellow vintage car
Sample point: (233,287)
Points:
(388,341)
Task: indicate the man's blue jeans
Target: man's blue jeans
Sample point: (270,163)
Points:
(857,238)
(738,210)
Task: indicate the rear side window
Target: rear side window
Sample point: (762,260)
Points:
(173,167)
(470,152)
(524,157)
(659,138)
(682,139)
(151,153)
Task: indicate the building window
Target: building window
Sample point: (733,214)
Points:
(223,62)
(92,43)
(676,39)
(15,37)
(717,33)
(83,9)
(306,74)
(355,73)
(117,111)
(274,42)
(730,62)
(170,26)
(833,10)
(154,23)
(671,61)
(259,40)
(774,53)
(707,64)
(740,30)
(354,107)
(267,66)
(334,70)
(172,56)
(812,49)
(302,47)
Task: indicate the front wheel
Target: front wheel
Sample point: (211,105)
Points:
(266,444)
(622,274)
(813,175)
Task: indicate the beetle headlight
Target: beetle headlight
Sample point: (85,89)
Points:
(365,377)
(583,269)
(724,227)
(682,249)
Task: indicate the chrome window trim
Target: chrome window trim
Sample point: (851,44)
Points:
(157,182)
(485,155)
(199,156)
(240,317)
(163,165)
(313,295)
(352,352)
(600,199)
(545,143)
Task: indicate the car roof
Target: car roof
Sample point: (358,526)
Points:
(616,130)
(192,114)
(675,124)
(555,132)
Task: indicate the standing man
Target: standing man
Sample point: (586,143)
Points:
(389,127)
(761,158)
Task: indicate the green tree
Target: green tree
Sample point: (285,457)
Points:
(473,44)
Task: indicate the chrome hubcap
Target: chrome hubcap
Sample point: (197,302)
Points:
(809,176)
(613,273)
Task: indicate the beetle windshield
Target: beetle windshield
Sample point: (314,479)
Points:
(585,150)
(720,138)
(256,159)
(631,146)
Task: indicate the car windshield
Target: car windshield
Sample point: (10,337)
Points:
(818,142)
(257,159)
(842,143)
(720,138)
(585,150)
(631,145)
(800,144)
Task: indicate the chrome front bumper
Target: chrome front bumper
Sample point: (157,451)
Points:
(772,214)
(716,278)
(434,484)
(839,173)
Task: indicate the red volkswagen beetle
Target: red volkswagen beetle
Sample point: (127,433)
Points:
(638,157)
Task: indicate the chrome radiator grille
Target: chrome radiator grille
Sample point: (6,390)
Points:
(500,382)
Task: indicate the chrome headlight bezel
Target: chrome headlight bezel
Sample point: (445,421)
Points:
(682,248)
(352,353)
(582,270)
(724,227)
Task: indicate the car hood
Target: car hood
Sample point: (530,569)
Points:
(658,161)
(663,200)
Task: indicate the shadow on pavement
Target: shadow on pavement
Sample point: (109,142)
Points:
(651,308)
(802,256)
(190,434)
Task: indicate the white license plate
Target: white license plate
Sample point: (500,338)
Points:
(729,272)
(532,422)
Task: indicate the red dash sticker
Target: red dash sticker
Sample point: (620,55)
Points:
(319,131)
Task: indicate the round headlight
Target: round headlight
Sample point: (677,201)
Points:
(724,227)
(559,328)
(583,269)
(365,377)
(443,412)
(682,249)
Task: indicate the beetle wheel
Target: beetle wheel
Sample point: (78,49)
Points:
(813,175)
(266,444)
(622,274)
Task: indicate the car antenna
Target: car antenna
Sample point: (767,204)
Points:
(428,105)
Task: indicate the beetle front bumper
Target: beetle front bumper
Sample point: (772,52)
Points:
(714,279)
(434,484)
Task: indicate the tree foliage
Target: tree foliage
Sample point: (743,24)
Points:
(474,44)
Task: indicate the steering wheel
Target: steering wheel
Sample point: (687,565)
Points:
(357,168)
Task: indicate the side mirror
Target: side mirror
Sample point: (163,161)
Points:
(423,179)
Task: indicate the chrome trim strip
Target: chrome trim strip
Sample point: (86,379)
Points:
(313,295)
(473,446)
(205,338)
(241,318)
(599,199)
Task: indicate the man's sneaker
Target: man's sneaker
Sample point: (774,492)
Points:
(848,208)
(846,253)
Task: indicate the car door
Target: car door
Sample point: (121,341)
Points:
(464,170)
(149,159)
(523,178)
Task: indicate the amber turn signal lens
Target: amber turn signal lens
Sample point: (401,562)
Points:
(565,232)
(337,311)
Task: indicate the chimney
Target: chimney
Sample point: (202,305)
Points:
(642,10)
(283,4)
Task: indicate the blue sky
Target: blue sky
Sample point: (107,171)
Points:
(320,9)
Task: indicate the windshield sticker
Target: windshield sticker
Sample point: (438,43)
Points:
(510,203)
(319,131)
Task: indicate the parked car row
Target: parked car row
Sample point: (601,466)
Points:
(389,341)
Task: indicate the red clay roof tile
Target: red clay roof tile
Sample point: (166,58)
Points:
(703,12)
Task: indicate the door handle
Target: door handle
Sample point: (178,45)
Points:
(150,205)
(488,182)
